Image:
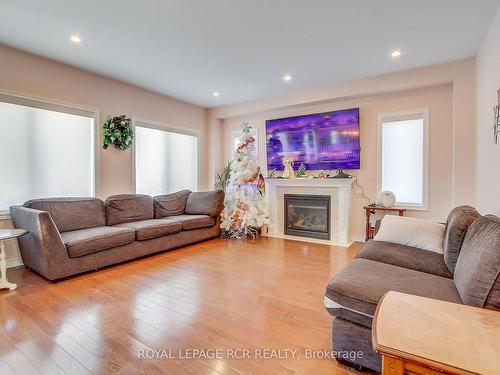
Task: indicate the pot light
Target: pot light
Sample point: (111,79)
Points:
(215,93)
(287,78)
(75,39)
(396,53)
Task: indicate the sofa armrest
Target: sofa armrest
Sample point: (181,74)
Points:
(209,203)
(42,249)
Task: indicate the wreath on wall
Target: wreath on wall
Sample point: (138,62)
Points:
(118,132)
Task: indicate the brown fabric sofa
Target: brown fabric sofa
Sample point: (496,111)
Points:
(467,272)
(68,236)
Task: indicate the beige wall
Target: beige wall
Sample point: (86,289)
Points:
(460,74)
(488,154)
(448,90)
(439,102)
(34,76)
(31,75)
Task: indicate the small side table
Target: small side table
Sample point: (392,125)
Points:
(417,335)
(6,234)
(369,210)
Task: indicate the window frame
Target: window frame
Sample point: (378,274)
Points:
(145,123)
(62,107)
(402,116)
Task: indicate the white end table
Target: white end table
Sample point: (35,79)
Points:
(6,234)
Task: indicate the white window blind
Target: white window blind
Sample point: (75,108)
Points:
(165,161)
(403,158)
(44,153)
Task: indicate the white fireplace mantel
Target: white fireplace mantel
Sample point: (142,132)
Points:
(339,191)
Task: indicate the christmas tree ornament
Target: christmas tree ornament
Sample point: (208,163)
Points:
(261,185)
(245,206)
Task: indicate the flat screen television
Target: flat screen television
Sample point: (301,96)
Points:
(324,141)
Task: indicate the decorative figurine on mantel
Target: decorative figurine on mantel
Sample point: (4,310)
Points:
(301,172)
(272,173)
(288,172)
(322,175)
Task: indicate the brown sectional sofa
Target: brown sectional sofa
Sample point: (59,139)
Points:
(68,236)
(467,273)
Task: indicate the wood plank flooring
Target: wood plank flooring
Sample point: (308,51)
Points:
(220,294)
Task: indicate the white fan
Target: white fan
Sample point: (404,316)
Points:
(386,199)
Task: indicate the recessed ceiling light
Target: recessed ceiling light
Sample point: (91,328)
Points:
(75,39)
(287,78)
(215,93)
(396,53)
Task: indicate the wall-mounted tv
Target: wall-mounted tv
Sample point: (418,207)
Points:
(324,141)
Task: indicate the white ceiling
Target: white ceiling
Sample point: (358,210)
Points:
(242,48)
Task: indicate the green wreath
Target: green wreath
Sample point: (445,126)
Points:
(118,132)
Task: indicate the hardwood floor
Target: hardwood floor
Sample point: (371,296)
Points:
(226,294)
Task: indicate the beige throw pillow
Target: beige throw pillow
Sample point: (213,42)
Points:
(423,234)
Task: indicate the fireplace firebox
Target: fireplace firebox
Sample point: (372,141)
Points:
(307,216)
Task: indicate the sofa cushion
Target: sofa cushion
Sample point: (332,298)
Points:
(458,223)
(170,204)
(208,203)
(87,241)
(406,257)
(478,266)
(125,208)
(71,213)
(152,228)
(194,221)
(410,231)
(362,283)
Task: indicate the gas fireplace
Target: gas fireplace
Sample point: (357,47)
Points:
(307,216)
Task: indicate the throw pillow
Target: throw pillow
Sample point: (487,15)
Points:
(422,234)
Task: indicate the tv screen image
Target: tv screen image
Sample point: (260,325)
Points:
(324,141)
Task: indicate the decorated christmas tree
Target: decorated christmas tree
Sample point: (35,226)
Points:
(245,206)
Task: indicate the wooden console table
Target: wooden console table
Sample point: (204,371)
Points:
(369,210)
(417,335)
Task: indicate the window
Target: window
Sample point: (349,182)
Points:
(165,161)
(403,157)
(44,152)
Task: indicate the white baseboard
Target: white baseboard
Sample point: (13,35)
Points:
(306,239)
(356,238)
(14,262)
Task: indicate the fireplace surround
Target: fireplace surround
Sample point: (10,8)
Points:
(339,191)
(307,216)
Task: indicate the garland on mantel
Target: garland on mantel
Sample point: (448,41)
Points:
(118,132)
